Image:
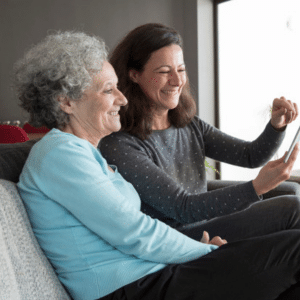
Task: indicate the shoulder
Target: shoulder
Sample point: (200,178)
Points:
(59,147)
(202,126)
(120,140)
(197,122)
(63,157)
(59,141)
(196,126)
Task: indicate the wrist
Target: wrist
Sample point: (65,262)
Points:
(256,188)
(278,128)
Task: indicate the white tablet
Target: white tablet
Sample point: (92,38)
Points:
(296,139)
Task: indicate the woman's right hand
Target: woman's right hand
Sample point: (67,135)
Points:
(214,241)
(274,172)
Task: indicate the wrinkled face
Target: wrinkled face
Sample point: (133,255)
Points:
(163,77)
(98,110)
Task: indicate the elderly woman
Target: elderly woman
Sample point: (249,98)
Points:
(87,218)
(162,147)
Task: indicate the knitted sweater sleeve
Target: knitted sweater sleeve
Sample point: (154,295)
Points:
(223,147)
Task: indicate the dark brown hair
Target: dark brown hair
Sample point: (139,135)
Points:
(132,53)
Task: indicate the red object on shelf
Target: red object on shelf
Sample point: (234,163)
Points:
(10,134)
(30,129)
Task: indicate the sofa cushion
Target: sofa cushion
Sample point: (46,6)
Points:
(25,271)
(12,159)
(10,134)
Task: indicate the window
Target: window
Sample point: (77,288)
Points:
(259,60)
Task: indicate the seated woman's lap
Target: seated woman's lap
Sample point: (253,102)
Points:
(261,218)
(259,268)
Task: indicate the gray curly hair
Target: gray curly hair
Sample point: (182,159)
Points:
(63,64)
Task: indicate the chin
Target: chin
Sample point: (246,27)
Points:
(117,128)
(173,105)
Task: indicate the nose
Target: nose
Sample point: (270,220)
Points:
(175,79)
(122,99)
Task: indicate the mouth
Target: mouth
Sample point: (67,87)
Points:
(114,113)
(169,92)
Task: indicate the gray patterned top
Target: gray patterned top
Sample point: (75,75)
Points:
(168,169)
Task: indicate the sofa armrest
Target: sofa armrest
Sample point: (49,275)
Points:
(26,273)
(285,188)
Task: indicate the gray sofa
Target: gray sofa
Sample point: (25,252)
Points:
(25,272)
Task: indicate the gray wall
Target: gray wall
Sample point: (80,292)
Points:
(26,22)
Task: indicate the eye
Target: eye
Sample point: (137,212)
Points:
(164,72)
(182,70)
(108,91)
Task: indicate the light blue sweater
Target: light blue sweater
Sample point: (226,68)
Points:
(87,220)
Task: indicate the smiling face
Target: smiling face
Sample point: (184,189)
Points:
(163,77)
(97,114)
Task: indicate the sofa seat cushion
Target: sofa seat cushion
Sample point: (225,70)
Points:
(25,271)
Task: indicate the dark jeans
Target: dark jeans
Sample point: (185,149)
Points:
(260,262)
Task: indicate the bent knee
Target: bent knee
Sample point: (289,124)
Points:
(291,205)
(286,204)
(293,201)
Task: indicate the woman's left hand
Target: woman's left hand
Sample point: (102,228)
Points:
(283,112)
(214,241)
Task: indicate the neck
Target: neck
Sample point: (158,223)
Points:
(161,121)
(80,132)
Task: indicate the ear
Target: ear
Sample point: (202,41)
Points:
(65,104)
(134,75)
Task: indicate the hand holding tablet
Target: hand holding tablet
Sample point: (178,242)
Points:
(277,171)
(296,139)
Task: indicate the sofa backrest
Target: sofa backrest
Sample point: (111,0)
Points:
(12,159)
(26,274)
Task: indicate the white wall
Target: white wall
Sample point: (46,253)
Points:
(206,61)
(206,86)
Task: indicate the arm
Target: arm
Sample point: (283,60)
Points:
(78,179)
(163,193)
(272,174)
(254,154)
(225,148)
